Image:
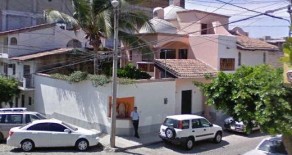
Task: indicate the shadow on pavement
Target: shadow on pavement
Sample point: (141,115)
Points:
(200,146)
(96,149)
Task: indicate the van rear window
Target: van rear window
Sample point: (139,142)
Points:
(171,122)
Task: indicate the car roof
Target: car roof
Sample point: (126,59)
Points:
(18,112)
(184,116)
(51,120)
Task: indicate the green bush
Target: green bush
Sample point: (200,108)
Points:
(99,80)
(77,76)
(132,72)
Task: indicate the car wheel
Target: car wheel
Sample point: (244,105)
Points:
(1,138)
(218,137)
(170,133)
(189,144)
(82,145)
(27,145)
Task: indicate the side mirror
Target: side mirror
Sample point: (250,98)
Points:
(67,130)
(211,125)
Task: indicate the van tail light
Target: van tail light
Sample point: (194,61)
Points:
(10,133)
(180,125)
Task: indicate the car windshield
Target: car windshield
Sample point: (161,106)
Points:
(72,127)
(273,146)
(171,123)
(41,116)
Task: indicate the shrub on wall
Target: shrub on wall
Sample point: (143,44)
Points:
(99,80)
(77,76)
(131,72)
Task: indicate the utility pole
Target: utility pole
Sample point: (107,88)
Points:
(115,4)
(290,13)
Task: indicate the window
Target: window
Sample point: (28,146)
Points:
(227,64)
(13,68)
(183,53)
(185,124)
(130,55)
(204,29)
(6,41)
(40,127)
(146,67)
(57,127)
(196,123)
(171,123)
(167,54)
(239,59)
(2,118)
(204,123)
(264,58)
(22,100)
(14,118)
(16,101)
(29,101)
(29,118)
(13,41)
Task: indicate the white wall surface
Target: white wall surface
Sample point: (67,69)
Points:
(41,40)
(82,101)
(197,99)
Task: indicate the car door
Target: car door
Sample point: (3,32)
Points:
(10,121)
(59,138)
(197,130)
(39,134)
(206,126)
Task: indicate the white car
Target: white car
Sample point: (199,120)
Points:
(51,133)
(270,146)
(186,129)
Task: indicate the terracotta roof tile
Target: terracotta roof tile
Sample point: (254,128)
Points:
(185,68)
(247,43)
(42,54)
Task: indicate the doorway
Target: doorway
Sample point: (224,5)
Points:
(186,102)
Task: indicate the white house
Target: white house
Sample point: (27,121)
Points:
(20,48)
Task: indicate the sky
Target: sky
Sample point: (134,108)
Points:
(257,27)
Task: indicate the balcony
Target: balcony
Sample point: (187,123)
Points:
(26,83)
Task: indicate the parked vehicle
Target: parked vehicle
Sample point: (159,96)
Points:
(238,126)
(186,129)
(13,117)
(51,133)
(270,146)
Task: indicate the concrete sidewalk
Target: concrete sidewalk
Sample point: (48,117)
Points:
(124,143)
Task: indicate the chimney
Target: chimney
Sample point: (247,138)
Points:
(158,12)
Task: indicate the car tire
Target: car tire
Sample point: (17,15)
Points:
(27,145)
(189,144)
(1,138)
(170,133)
(82,145)
(218,137)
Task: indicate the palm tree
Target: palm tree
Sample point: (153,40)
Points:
(95,18)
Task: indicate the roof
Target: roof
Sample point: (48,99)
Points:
(247,43)
(160,26)
(183,117)
(42,54)
(171,10)
(185,68)
(27,29)
(205,12)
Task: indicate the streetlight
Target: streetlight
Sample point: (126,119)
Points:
(115,4)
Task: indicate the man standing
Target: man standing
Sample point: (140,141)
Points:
(135,120)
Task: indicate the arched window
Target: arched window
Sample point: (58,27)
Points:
(74,43)
(13,41)
(239,59)
(264,58)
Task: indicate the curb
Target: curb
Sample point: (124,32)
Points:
(119,149)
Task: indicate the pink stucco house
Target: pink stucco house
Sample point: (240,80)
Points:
(195,35)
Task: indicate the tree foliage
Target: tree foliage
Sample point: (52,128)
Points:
(253,94)
(8,88)
(287,48)
(131,72)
